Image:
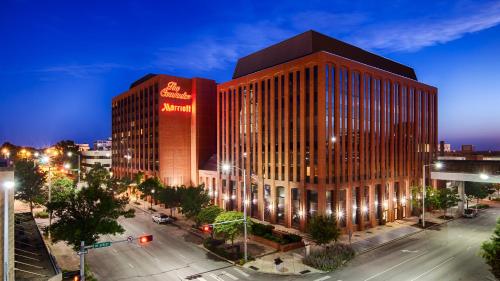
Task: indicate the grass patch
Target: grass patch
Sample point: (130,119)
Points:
(330,258)
(482,206)
(42,215)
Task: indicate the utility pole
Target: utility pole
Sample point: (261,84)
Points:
(82,260)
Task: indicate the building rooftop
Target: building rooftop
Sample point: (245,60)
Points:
(311,42)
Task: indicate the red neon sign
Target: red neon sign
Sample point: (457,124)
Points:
(167,107)
(174,91)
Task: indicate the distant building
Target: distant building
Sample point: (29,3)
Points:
(103,144)
(467,148)
(444,147)
(83,147)
(91,157)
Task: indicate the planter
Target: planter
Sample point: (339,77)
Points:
(276,245)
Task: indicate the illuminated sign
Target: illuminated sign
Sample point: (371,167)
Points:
(167,107)
(174,91)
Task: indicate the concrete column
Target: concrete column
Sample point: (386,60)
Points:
(461,193)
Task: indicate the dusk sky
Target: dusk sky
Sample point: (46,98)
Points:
(61,62)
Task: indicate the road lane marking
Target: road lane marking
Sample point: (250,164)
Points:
(409,251)
(201,279)
(241,272)
(229,275)
(392,267)
(114,250)
(323,278)
(215,277)
(428,271)
(131,266)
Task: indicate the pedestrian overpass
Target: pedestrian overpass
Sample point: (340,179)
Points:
(457,172)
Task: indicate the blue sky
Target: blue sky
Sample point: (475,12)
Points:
(61,62)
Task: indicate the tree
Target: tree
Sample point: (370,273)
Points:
(61,187)
(30,183)
(97,176)
(118,186)
(476,190)
(490,251)
(208,214)
(445,198)
(149,187)
(193,199)
(86,214)
(323,229)
(230,225)
(170,197)
(496,186)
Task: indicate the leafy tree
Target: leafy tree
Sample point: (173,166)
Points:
(208,214)
(61,187)
(490,251)
(146,187)
(118,186)
(170,197)
(193,199)
(445,198)
(30,183)
(476,190)
(97,176)
(496,186)
(233,226)
(86,214)
(323,229)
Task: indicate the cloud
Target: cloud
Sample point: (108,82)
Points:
(82,70)
(369,29)
(415,34)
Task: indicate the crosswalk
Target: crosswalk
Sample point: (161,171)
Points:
(228,274)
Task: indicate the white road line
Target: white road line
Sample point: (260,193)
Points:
(323,278)
(131,266)
(114,250)
(392,267)
(215,277)
(428,271)
(241,272)
(201,279)
(229,275)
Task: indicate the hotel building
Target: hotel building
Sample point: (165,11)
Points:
(164,126)
(323,127)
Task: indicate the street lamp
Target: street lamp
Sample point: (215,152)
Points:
(226,167)
(152,197)
(484,176)
(7,185)
(438,165)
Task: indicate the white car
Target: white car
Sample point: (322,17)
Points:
(161,218)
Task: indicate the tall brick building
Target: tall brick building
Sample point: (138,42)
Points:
(164,126)
(323,127)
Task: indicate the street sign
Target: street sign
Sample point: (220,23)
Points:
(101,245)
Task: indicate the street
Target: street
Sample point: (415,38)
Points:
(449,252)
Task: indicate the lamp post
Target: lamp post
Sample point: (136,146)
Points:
(8,185)
(45,160)
(70,154)
(438,165)
(226,168)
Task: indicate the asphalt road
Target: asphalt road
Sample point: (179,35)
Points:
(449,252)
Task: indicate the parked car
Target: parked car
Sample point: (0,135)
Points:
(161,218)
(470,213)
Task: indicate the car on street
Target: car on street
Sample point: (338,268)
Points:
(470,213)
(161,218)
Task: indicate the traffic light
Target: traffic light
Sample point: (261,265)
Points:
(145,238)
(207,228)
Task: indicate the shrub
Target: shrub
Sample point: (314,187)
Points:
(42,215)
(330,258)
(482,206)
(260,229)
(323,229)
(291,238)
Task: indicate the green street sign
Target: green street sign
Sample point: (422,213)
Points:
(101,245)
